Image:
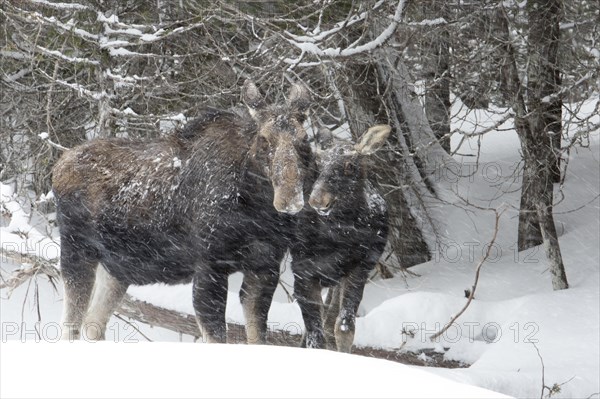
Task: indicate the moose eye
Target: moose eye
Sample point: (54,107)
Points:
(349,168)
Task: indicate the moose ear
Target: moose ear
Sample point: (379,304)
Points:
(324,137)
(299,98)
(373,139)
(252,98)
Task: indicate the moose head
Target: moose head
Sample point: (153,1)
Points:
(339,164)
(281,146)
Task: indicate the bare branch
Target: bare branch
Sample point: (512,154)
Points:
(477,271)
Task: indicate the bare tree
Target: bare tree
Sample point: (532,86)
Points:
(539,143)
(138,69)
(436,64)
(536,124)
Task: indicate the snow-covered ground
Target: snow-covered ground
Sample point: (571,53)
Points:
(174,370)
(514,315)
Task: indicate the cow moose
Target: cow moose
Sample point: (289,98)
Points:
(215,198)
(340,246)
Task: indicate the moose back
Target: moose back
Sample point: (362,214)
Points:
(216,198)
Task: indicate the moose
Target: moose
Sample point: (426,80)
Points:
(339,247)
(215,198)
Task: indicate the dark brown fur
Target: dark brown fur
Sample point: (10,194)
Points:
(197,205)
(339,247)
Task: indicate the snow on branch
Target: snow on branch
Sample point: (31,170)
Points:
(322,35)
(17,55)
(143,38)
(554,96)
(56,53)
(45,136)
(318,35)
(94,95)
(429,22)
(60,6)
(69,26)
(123,52)
(114,20)
(17,75)
(313,48)
(112,26)
(125,80)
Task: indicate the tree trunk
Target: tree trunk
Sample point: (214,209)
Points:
(557,268)
(422,156)
(436,64)
(529,234)
(364,106)
(538,125)
(538,142)
(544,120)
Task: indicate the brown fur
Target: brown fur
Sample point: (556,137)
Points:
(200,204)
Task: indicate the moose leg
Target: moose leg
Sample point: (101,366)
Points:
(308,295)
(78,272)
(108,293)
(332,309)
(256,296)
(209,291)
(352,289)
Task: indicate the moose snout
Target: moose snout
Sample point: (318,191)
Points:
(321,202)
(291,205)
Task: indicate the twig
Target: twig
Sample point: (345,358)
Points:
(477,271)
(555,388)
(543,369)
(18,277)
(51,143)
(118,316)
(287,292)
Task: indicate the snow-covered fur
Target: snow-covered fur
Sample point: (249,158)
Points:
(341,245)
(197,205)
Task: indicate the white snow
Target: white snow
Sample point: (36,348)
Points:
(514,313)
(375,201)
(309,46)
(82,90)
(121,52)
(65,57)
(61,6)
(429,22)
(146,370)
(17,55)
(107,43)
(151,37)
(24,233)
(100,17)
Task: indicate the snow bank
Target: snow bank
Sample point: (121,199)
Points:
(163,370)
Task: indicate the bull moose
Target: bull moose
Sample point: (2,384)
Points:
(216,198)
(339,247)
